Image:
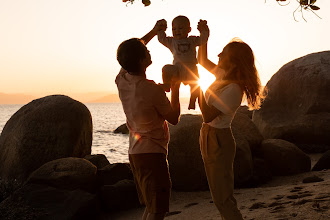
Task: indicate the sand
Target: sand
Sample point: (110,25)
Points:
(282,198)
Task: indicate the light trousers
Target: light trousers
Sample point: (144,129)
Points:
(218,150)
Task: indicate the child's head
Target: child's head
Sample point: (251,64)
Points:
(180,27)
(133,55)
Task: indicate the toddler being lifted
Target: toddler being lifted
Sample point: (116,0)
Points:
(183,48)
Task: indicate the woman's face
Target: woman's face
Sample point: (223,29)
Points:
(224,59)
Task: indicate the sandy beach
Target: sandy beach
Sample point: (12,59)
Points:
(284,197)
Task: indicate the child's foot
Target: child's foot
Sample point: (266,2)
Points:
(166,87)
(191,106)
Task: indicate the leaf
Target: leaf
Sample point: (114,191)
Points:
(312,2)
(314,7)
(303,2)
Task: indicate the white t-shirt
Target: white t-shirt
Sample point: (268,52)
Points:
(227,100)
(183,50)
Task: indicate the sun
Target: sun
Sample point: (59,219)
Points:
(205,78)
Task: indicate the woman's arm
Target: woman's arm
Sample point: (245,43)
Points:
(203,59)
(202,50)
(208,112)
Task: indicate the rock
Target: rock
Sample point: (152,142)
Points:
(323,162)
(243,163)
(312,179)
(99,160)
(243,109)
(248,140)
(121,129)
(114,173)
(283,157)
(185,160)
(297,107)
(184,156)
(243,127)
(66,173)
(261,172)
(120,196)
(45,129)
(35,201)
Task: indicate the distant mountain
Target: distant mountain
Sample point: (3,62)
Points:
(106,99)
(15,98)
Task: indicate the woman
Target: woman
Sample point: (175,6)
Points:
(236,77)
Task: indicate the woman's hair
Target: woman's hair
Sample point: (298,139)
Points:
(244,72)
(130,53)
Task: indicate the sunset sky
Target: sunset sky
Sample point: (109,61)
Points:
(69,46)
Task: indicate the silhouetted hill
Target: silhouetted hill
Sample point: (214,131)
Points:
(105,99)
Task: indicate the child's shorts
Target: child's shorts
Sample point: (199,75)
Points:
(188,73)
(152,179)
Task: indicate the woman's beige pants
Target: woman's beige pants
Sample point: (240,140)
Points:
(218,150)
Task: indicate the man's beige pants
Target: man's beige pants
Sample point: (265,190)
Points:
(218,150)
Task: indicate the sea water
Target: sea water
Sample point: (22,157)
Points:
(106,118)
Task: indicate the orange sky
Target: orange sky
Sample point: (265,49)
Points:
(69,47)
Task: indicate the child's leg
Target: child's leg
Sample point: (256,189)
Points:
(169,71)
(193,95)
(193,77)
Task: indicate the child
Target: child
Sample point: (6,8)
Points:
(146,108)
(183,48)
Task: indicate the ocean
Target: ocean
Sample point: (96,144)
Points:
(106,118)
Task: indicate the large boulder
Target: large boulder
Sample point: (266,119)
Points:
(66,173)
(248,140)
(284,158)
(184,156)
(297,107)
(185,160)
(45,129)
(34,201)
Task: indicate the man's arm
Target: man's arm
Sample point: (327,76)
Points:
(174,115)
(158,27)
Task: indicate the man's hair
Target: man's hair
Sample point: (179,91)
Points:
(130,53)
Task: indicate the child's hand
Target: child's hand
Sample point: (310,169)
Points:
(202,26)
(160,25)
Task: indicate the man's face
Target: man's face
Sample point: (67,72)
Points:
(147,60)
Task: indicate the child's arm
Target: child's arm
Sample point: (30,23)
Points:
(162,38)
(158,26)
(202,50)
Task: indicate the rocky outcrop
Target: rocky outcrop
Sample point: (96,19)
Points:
(122,129)
(297,106)
(185,161)
(184,156)
(323,162)
(34,201)
(72,188)
(45,129)
(66,173)
(99,160)
(283,157)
